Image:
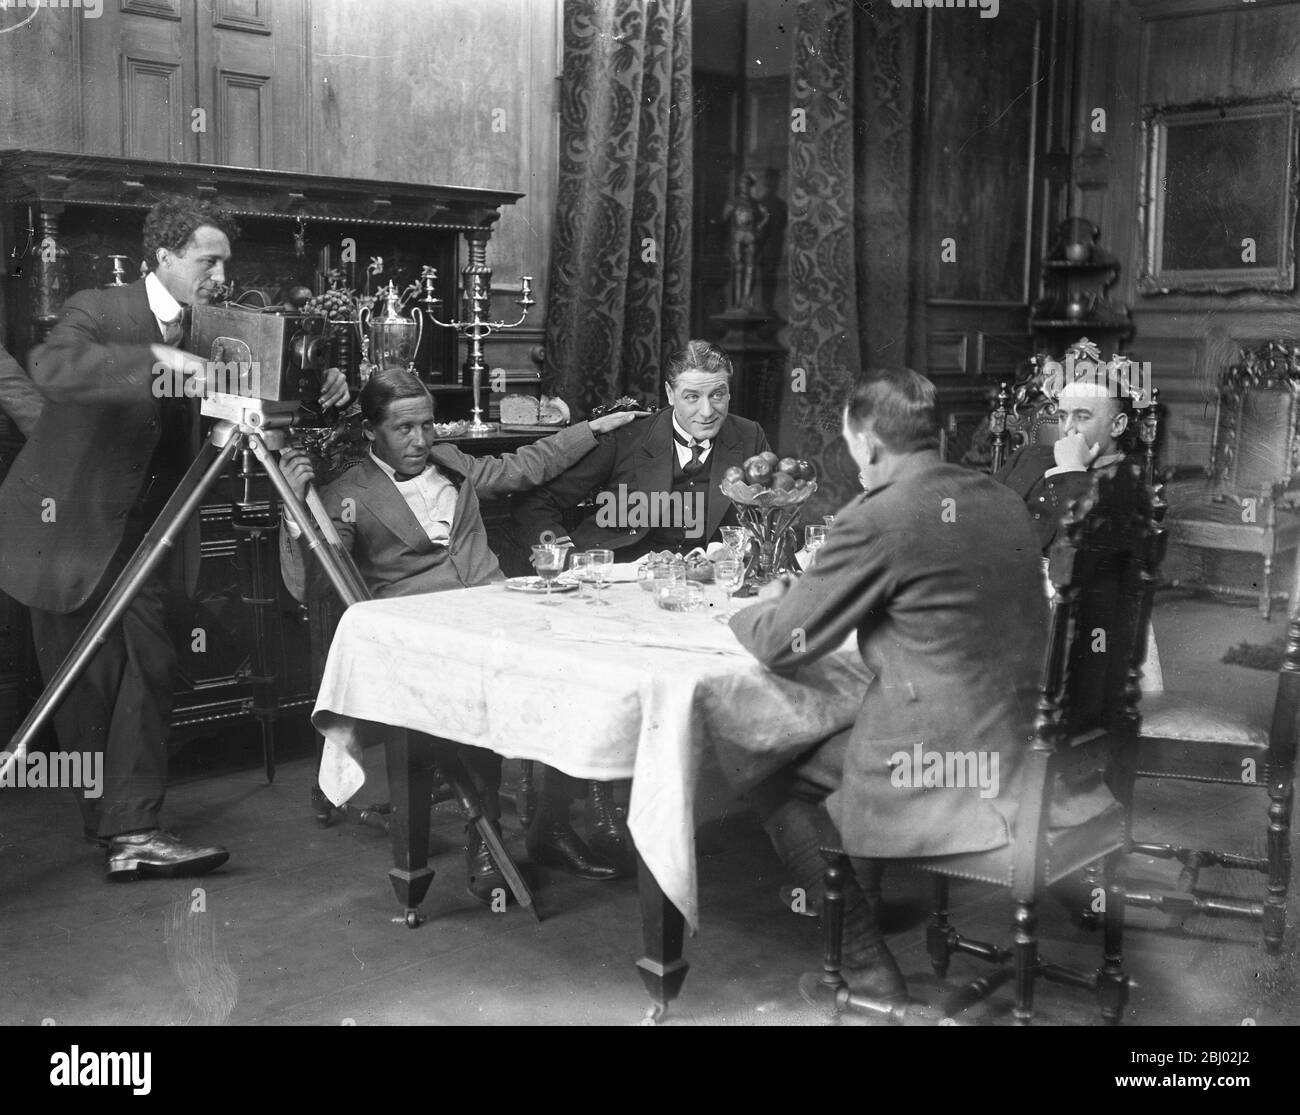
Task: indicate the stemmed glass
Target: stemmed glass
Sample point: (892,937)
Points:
(548,560)
(580,567)
(734,539)
(728,575)
(814,538)
(601,562)
(829,520)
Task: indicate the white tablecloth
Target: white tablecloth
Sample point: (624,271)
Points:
(612,692)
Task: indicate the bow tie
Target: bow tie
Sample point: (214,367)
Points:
(690,442)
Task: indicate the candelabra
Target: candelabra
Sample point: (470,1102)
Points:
(477,328)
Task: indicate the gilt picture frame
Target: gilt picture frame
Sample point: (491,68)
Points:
(1218,197)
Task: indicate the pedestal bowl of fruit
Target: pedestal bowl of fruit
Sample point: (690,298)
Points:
(768,491)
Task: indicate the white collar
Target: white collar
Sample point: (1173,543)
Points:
(161,303)
(691,439)
(391,472)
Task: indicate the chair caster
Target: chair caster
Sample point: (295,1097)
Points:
(654,1014)
(413,919)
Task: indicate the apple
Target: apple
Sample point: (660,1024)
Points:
(803,470)
(758,471)
(299,296)
(782,482)
(734,475)
(771,458)
(788,465)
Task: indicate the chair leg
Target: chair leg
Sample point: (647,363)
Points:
(1280,794)
(1025,937)
(1112,984)
(837,866)
(1266,599)
(526,795)
(939,934)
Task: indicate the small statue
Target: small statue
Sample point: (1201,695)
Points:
(746,220)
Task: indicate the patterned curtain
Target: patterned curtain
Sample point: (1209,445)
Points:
(621,255)
(851,195)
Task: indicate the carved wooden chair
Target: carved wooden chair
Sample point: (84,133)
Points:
(1185,738)
(1102,570)
(1250,505)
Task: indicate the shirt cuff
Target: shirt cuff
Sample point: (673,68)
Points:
(295,531)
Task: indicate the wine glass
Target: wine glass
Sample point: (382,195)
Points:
(548,560)
(829,520)
(734,539)
(814,537)
(728,575)
(601,562)
(580,567)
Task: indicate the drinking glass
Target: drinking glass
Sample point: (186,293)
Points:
(580,567)
(734,539)
(601,562)
(813,539)
(829,520)
(548,560)
(728,575)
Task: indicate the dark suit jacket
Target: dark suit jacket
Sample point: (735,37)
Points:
(65,501)
(639,455)
(1047,497)
(946,600)
(18,395)
(393,553)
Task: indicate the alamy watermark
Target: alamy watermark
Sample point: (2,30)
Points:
(953,769)
(37,770)
(90,9)
(988,8)
(634,510)
(1128,379)
(242,378)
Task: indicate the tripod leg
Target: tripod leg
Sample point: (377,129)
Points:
(207,468)
(454,771)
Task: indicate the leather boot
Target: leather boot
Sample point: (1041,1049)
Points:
(484,880)
(551,840)
(608,836)
(874,973)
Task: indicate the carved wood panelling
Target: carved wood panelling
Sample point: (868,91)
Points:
(152,106)
(158,9)
(243,119)
(253,16)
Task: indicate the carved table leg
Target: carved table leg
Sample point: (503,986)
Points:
(663,971)
(409,757)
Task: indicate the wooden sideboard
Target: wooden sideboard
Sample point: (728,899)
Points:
(61,219)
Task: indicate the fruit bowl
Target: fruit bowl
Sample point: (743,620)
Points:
(756,495)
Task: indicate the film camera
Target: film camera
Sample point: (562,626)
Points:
(272,357)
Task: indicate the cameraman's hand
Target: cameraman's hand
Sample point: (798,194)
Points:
(334,389)
(296,466)
(607,422)
(176,360)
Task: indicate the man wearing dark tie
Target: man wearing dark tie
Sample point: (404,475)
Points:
(101,461)
(657,485)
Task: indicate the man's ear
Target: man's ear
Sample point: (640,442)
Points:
(367,429)
(1119,423)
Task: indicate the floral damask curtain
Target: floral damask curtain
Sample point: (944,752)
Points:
(851,196)
(621,254)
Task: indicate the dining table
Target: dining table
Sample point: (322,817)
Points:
(611,687)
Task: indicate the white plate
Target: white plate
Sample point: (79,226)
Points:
(537,586)
(536,428)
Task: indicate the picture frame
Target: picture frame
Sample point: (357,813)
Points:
(1218,196)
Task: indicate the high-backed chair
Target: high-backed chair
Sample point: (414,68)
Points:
(1249,505)
(1187,738)
(1102,570)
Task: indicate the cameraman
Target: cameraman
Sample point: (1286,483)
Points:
(99,466)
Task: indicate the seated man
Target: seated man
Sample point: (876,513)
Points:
(681,452)
(409,516)
(678,456)
(922,568)
(1095,420)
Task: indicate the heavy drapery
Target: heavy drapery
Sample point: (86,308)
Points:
(621,254)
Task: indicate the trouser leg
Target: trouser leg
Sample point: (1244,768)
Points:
(119,707)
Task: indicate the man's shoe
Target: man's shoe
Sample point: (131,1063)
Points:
(157,853)
(875,975)
(559,846)
(484,879)
(607,833)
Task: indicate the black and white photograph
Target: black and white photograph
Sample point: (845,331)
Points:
(650,513)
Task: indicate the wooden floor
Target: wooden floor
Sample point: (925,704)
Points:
(301,926)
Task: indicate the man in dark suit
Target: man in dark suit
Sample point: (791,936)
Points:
(682,452)
(1094,417)
(935,570)
(104,455)
(657,483)
(408,514)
